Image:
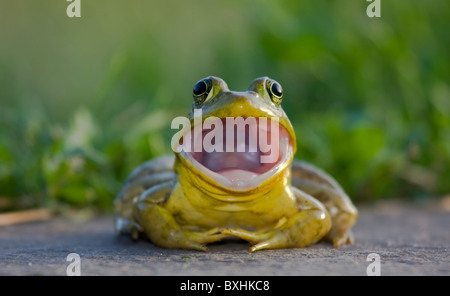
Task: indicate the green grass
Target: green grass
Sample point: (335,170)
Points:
(83,101)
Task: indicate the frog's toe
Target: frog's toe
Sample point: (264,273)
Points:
(249,236)
(344,238)
(195,246)
(124,226)
(209,236)
(198,240)
(260,246)
(276,241)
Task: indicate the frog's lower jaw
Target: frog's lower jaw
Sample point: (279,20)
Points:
(246,170)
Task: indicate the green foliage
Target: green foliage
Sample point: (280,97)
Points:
(83,101)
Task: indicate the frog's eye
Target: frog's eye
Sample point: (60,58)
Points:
(275,91)
(202,91)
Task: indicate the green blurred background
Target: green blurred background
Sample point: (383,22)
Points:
(83,101)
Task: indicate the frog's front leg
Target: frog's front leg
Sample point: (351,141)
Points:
(161,227)
(306,227)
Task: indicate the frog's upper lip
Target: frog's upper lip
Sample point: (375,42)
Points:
(240,171)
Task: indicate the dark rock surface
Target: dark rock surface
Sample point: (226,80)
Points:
(411,239)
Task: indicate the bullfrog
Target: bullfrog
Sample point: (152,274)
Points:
(193,198)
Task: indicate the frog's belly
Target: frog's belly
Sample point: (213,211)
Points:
(243,219)
(256,214)
(234,216)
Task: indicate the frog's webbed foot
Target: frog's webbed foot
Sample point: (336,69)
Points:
(198,240)
(306,227)
(261,240)
(254,237)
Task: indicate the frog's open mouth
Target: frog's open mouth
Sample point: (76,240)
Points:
(241,156)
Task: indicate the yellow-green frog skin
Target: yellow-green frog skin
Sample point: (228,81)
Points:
(184,201)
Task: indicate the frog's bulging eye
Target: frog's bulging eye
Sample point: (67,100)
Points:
(275,91)
(202,90)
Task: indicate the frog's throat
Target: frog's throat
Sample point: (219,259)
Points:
(235,175)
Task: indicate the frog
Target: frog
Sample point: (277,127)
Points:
(191,199)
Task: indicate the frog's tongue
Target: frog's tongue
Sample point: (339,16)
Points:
(240,170)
